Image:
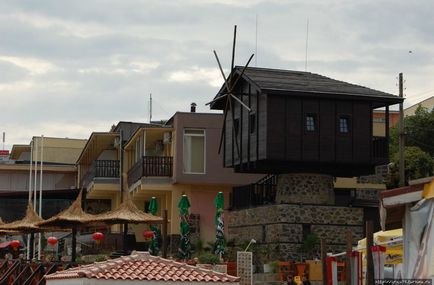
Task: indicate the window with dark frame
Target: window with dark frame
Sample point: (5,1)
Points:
(344,125)
(236,126)
(252,119)
(311,123)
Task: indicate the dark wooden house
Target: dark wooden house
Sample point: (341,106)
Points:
(302,122)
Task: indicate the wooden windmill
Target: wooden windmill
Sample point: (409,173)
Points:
(230,83)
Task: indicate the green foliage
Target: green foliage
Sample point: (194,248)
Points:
(309,243)
(418,164)
(267,251)
(208,258)
(419,150)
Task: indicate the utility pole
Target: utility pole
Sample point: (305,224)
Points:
(401,135)
(150,107)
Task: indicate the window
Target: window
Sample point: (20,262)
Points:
(236,126)
(311,123)
(252,119)
(194,151)
(138,150)
(344,123)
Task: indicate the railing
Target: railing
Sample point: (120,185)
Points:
(260,193)
(160,166)
(101,168)
(380,149)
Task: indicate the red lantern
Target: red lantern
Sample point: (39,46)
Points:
(52,241)
(148,235)
(97,237)
(15,244)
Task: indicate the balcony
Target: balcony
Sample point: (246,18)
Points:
(380,150)
(260,193)
(156,166)
(101,169)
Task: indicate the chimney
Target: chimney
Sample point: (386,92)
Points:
(193,107)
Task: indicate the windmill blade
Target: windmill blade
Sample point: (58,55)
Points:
(233,48)
(221,70)
(216,99)
(241,102)
(224,125)
(233,125)
(242,72)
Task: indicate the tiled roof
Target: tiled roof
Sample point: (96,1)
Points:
(143,266)
(289,80)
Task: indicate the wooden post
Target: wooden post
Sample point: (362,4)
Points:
(348,259)
(32,245)
(401,135)
(124,238)
(74,245)
(369,260)
(323,260)
(164,235)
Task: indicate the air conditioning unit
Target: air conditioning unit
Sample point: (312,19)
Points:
(167,137)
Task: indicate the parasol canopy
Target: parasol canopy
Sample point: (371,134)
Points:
(73,216)
(392,240)
(127,212)
(5,232)
(28,224)
(219,245)
(184,250)
(153,209)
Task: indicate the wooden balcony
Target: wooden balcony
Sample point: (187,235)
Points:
(260,193)
(101,169)
(156,166)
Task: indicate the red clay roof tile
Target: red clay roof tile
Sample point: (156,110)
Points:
(143,266)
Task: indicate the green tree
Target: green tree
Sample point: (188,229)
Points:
(418,164)
(419,131)
(419,150)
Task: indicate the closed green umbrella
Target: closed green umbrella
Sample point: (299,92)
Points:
(219,245)
(153,209)
(184,250)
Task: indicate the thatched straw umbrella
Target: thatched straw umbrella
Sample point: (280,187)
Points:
(70,218)
(27,225)
(126,213)
(5,232)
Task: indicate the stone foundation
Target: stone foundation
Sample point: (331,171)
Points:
(304,205)
(305,189)
(281,226)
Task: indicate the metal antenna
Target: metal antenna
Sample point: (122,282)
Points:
(307,42)
(256,42)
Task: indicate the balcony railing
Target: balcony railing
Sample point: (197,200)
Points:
(159,166)
(380,149)
(101,168)
(260,193)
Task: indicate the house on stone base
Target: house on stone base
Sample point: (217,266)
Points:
(306,132)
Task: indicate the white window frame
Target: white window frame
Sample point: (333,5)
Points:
(204,148)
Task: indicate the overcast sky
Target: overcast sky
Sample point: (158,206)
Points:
(72,67)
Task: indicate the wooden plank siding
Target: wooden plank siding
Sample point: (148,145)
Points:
(280,100)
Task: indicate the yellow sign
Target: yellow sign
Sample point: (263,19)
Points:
(428,190)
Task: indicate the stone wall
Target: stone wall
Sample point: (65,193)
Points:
(367,194)
(305,188)
(281,226)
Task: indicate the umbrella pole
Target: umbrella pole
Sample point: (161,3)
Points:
(31,246)
(125,234)
(164,235)
(74,245)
